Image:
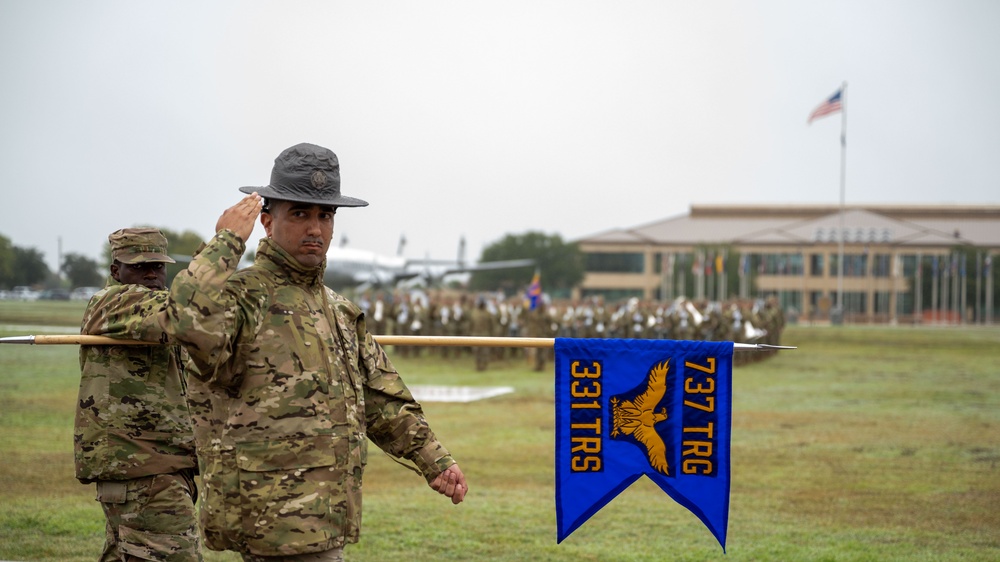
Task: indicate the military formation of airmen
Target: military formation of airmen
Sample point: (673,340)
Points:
(450,313)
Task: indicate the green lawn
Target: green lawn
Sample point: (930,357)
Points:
(866,443)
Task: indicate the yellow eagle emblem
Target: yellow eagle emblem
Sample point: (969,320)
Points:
(637,417)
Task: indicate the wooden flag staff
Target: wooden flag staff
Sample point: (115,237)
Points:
(429,341)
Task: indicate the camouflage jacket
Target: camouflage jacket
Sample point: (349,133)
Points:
(132,418)
(288,387)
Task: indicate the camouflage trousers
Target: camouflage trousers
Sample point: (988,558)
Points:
(482,358)
(151,518)
(332,555)
(538,358)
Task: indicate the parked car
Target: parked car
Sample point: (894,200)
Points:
(54,295)
(83,293)
(23,293)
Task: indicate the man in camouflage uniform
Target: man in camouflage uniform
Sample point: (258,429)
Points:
(463,323)
(539,326)
(290,384)
(133,433)
(481,325)
(380,315)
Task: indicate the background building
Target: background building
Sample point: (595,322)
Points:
(902,263)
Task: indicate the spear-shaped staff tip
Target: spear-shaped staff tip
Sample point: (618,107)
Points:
(18,339)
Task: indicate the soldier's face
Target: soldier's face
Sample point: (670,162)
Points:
(304,230)
(152,275)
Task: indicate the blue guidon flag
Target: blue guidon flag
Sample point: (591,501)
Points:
(627,408)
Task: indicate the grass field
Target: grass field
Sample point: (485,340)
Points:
(866,443)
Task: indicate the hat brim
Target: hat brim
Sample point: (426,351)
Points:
(146,257)
(269,192)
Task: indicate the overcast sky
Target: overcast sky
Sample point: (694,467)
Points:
(479,119)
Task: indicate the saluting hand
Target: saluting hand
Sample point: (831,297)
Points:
(451,483)
(241,217)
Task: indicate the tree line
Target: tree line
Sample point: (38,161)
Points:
(27,266)
(561,263)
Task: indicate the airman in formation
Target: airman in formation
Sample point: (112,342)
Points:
(494,314)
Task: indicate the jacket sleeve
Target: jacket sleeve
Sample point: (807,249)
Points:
(203,313)
(126,312)
(395,421)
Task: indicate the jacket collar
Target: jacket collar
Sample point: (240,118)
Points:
(270,256)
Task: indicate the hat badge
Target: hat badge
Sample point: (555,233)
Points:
(318,179)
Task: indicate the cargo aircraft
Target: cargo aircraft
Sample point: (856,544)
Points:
(361,269)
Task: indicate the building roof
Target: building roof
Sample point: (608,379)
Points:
(897,225)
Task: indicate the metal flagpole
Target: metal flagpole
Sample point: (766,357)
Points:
(988,273)
(934,288)
(699,278)
(682,280)
(918,304)
(979,287)
(946,291)
(843,176)
(711,280)
(725,276)
(673,275)
(663,277)
(440,341)
(963,299)
(952,286)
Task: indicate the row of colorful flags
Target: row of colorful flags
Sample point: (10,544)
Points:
(957,265)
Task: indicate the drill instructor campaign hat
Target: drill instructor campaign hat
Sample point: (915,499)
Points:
(306,173)
(139,245)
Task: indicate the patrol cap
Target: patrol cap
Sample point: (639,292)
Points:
(306,173)
(139,245)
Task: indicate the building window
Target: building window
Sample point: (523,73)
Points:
(881,265)
(612,295)
(601,262)
(855,302)
(855,265)
(904,303)
(814,299)
(790,301)
(781,264)
(882,302)
(816,265)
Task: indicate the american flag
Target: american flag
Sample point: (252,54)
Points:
(831,105)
